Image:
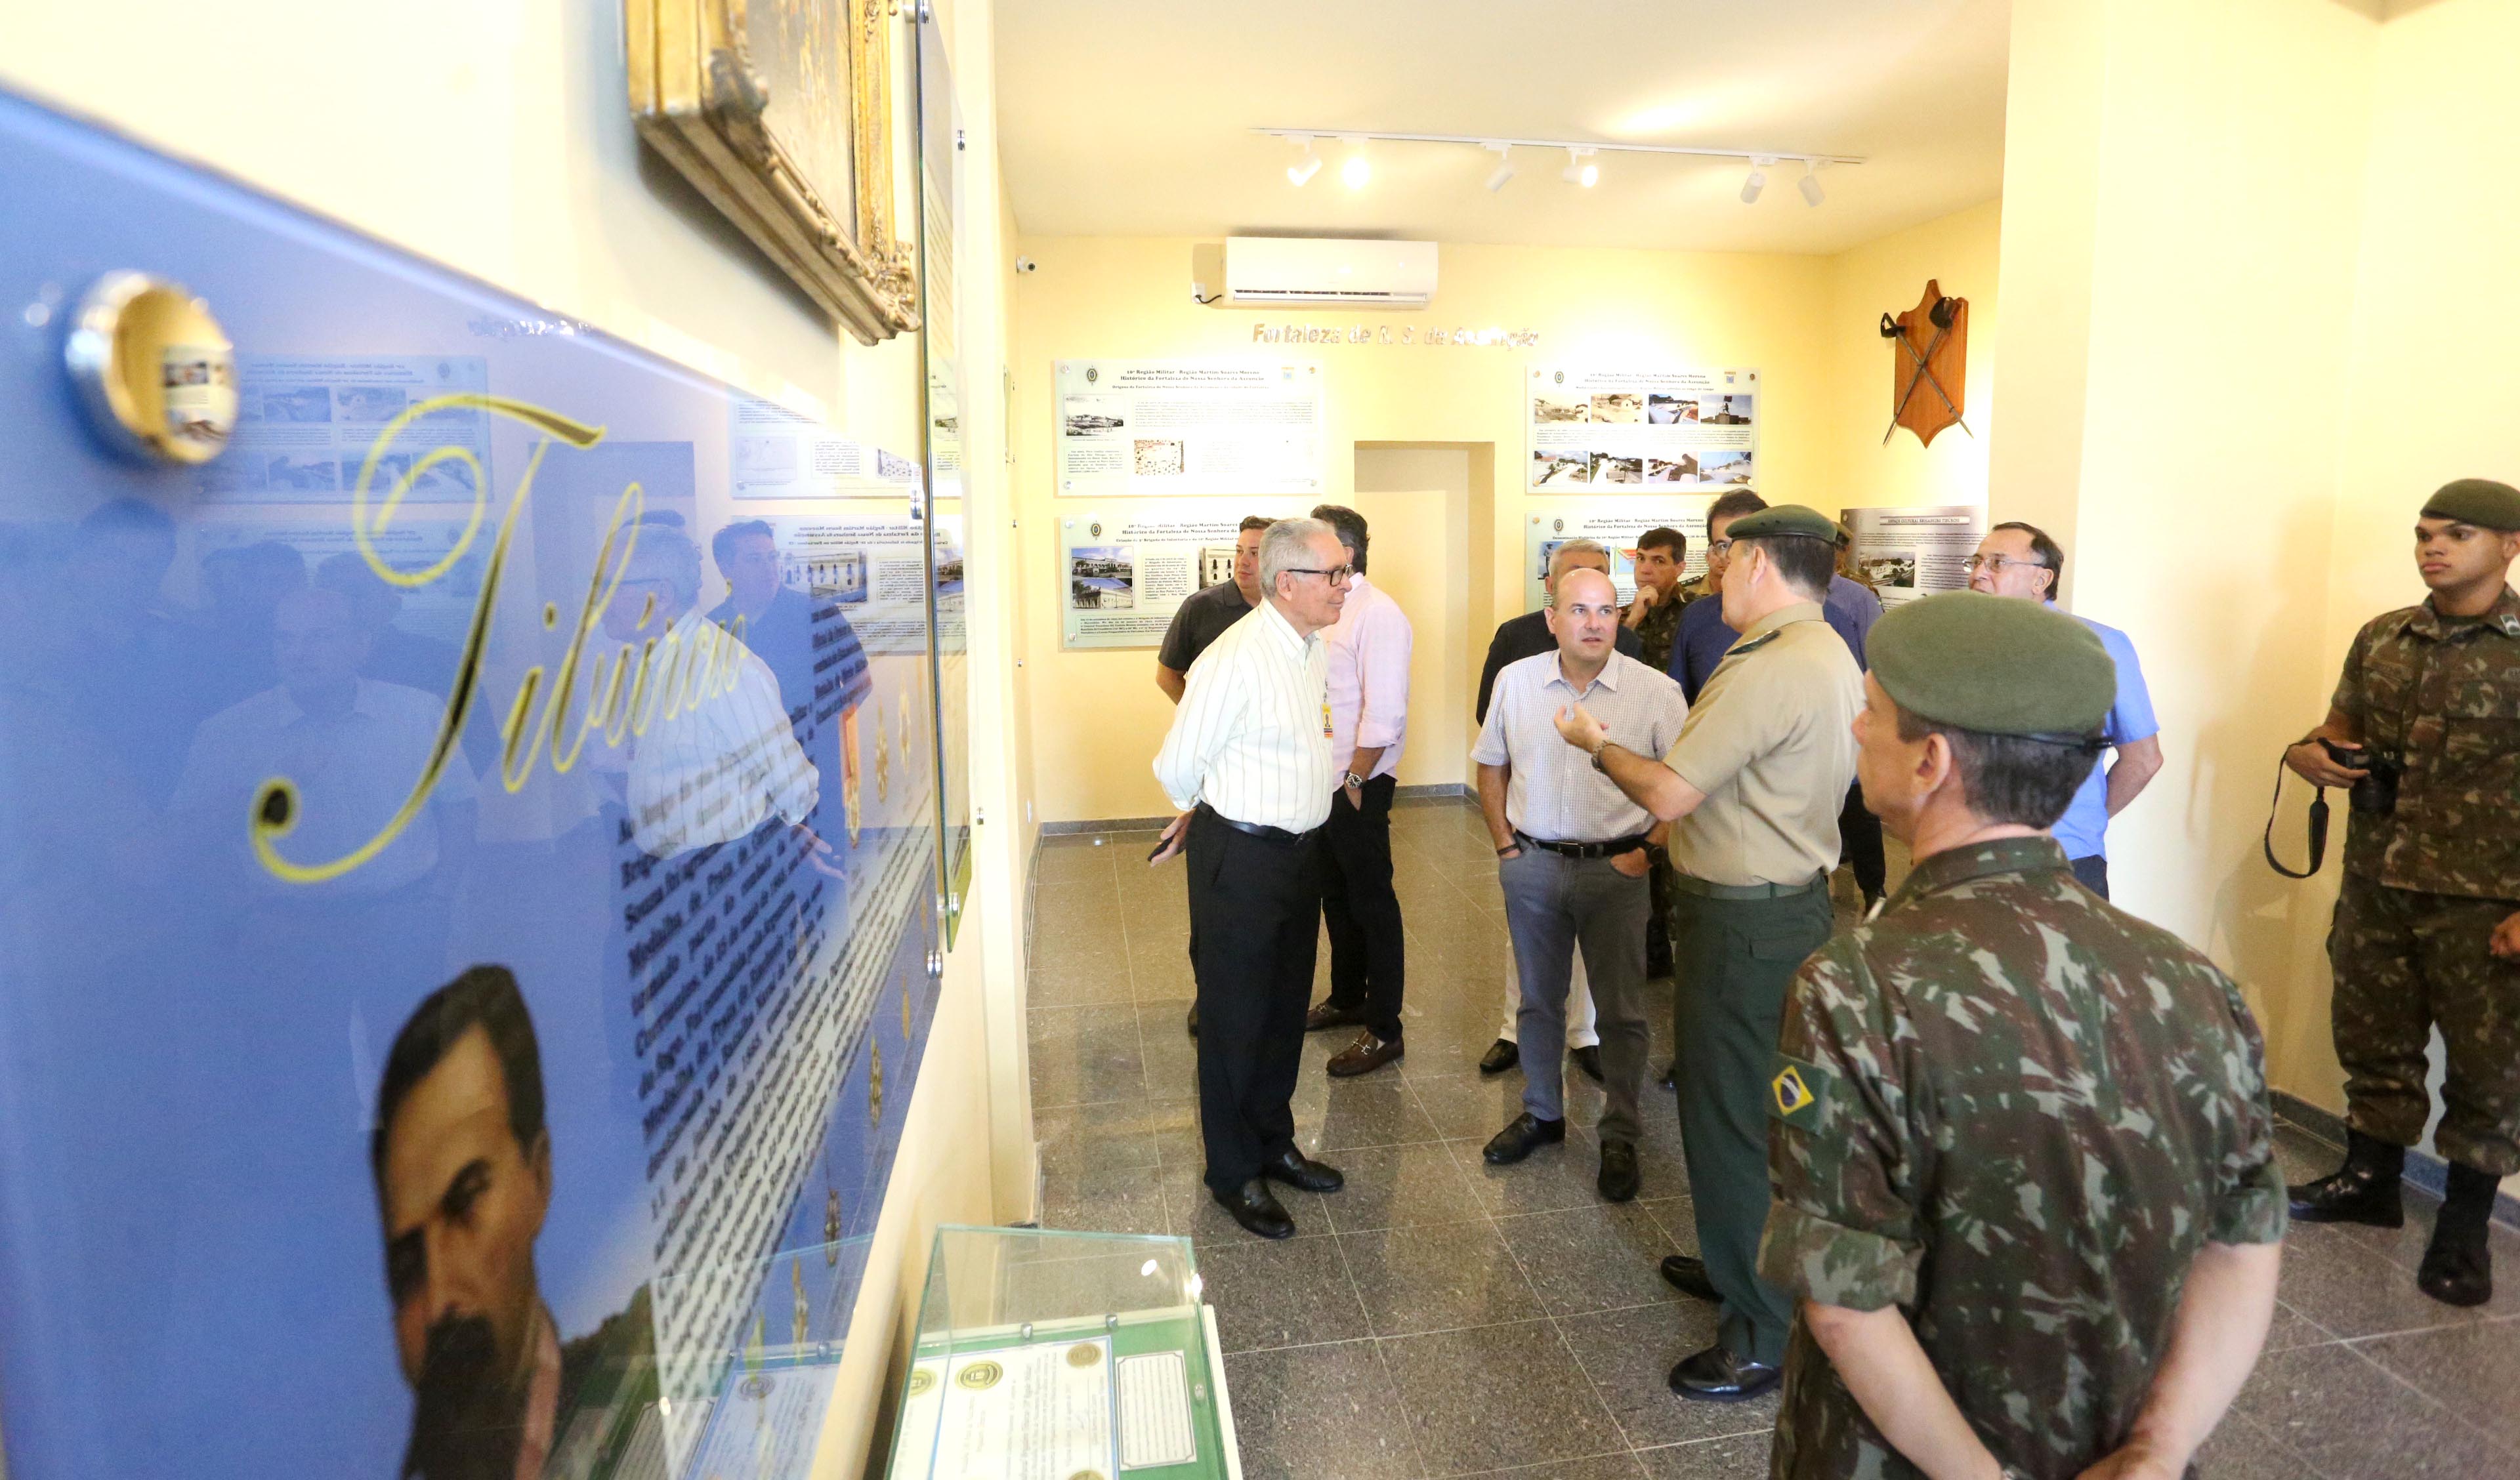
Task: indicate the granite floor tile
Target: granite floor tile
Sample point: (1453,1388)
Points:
(1401,1187)
(1083,1056)
(2349,1419)
(1293,1293)
(1373,1110)
(1494,1397)
(1599,1258)
(2474,1371)
(1105,1200)
(2291,1328)
(1089,1138)
(2349,1289)
(1628,1355)
(1295,1405)
(1077,978)
(1466,1104)
(1619,1464)
(1547,1179)
(1438,1277)
(1085,863)
(2241,1450)
(1745,1457)
(1678,1217)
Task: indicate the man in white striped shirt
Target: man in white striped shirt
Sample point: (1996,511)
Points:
(1248,762)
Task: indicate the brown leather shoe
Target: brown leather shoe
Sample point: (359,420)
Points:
(1364,1056)
(1325,1014)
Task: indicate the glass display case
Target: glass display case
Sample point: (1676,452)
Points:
(1064,1356)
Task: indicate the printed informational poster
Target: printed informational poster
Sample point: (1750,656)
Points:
(1637,430)
(1188,427)
(306,424)
(870,568)
(1615,523)
(1904,554)
(1125,569)
(780,454)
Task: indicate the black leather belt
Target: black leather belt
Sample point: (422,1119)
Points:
(1261,830)
(1611,849)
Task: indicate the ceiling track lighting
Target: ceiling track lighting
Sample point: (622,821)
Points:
(1504,166)
(1582,169)
(1301,172)
(1758,180)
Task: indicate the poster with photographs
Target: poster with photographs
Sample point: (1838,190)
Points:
(777,454)
(1188,427)
(1904,554)
(1125,569)
(306,422)
(1615,523)
(1637,430)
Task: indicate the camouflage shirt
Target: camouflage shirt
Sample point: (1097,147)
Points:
(2442,693)
(1654,632)
(2016,1112)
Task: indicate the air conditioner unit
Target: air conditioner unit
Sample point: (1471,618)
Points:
(1281,270)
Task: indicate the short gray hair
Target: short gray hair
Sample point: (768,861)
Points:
(1558,558)
(1288,546)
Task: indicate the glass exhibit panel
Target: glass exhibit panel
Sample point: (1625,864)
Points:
(466,887)
(941,195)
(1047,1353)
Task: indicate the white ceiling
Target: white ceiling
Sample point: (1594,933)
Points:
(1133,117)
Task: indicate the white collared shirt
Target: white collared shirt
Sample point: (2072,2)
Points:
(1552,792)
(1251,735)
(1368,647)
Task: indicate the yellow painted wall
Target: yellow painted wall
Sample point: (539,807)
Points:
(1806,324)
(494,136)
(1418,504)
(1888,275)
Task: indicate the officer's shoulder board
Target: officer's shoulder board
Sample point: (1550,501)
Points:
(1753,644)
(1799,1092)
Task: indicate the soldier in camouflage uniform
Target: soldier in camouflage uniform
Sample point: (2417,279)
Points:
(2427,926)
(2019,1139)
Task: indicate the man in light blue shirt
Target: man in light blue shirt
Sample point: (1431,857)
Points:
(2020,559)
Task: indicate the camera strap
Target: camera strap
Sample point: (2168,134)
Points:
(2318,828)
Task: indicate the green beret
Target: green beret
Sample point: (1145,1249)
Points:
(2481,502)
(1780,519)
(1994,664)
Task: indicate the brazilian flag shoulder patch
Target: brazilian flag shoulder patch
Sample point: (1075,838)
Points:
(1799,1091)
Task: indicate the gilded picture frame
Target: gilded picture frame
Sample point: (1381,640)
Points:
(779,111)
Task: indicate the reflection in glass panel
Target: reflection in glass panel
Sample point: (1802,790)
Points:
(466,865)
(940,177)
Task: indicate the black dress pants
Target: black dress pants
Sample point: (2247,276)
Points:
(1255,909)
(1860,831)
(1367,953)
(2093,871)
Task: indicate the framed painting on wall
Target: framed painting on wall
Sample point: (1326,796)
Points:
(781,112)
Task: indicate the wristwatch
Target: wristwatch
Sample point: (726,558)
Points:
(1354,780)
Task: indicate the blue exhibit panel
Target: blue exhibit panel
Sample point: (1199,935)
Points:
(465,901)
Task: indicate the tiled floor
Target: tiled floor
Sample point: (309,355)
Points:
(1441,1317)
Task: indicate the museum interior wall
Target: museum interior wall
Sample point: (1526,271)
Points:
(511,156)
(1807,324)
(2244,289)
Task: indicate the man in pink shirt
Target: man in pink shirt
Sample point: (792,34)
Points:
(1369,722)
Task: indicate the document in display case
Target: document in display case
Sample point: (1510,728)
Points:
(1055,1356)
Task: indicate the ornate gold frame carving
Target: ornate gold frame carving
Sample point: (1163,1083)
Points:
(698,101)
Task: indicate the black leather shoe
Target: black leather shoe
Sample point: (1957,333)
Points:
(1297,1170)
(2458,1264)
(1717,1375)
(1501,1055)
(1686,1273)
(1324,1014)
(1588,1060)
(1618,1181)
(2365,1190)
(1257,1209)
(1669,1075)
(1194,1020)
(1528,1133)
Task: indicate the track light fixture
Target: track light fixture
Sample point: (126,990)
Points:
(1581,167)
(1504,166)
(1357,169)
(1758,180)
(1302,171)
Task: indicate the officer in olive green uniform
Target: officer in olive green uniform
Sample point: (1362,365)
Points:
(2014,1126)
(1753,785)
(2427,927)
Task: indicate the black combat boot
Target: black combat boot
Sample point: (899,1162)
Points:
(2459,1267)
(2364,1190)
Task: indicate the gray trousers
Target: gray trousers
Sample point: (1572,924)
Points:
(1554,905)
